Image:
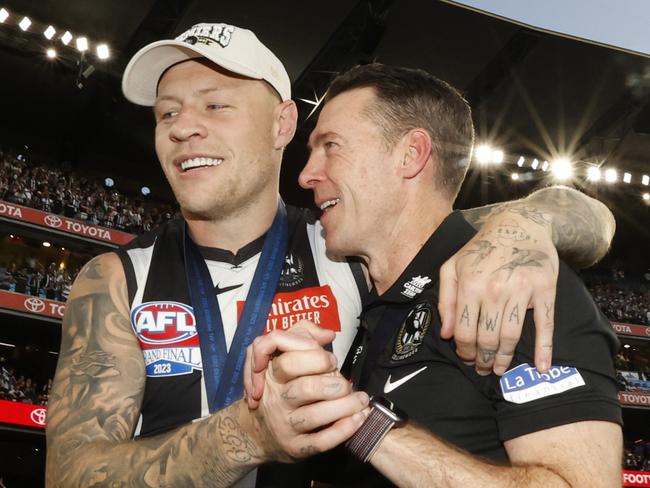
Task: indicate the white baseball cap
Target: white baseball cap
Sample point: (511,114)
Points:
(234,49)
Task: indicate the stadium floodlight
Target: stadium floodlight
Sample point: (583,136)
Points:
(627,177)
(103,52)
(49,32)
(82,44)
(611,175)
(497,156)
(25,23)
(66,38)
(521,161)
(514,176)
(483,153)
(4,15)
(51,53)
(545,166)
(46,244)
(145,190)
(645,180)
(534,164)
(593,173)
(562,169)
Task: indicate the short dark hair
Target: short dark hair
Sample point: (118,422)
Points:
(412,98)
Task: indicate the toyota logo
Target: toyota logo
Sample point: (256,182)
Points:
(53,221)
(38,416)
(34,305)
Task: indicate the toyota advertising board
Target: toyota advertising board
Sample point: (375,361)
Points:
(25,414)
(31,305)
(63,224)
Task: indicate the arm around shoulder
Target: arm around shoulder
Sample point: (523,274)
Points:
(582,227)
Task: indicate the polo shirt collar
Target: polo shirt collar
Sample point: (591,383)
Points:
(423,271)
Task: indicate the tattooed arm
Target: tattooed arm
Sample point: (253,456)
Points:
(95,404)
(511,265)
(582,227)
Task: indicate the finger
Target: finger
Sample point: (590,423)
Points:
(293,364)
(310,329)
(511,327)
(465,329)
(315,388)
(487,337)
(248,381)
(321,414)
(264,347)
(447,298)
(331,436)
(544,314)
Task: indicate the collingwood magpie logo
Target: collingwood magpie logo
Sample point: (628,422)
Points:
(292,272)
(412,332)
(415,286)
(208,34)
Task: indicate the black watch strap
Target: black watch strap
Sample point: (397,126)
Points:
(382,418)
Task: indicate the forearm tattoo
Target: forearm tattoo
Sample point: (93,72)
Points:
(582,227)
(95,405)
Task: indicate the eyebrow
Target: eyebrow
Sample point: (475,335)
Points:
(319,138)
(173,98)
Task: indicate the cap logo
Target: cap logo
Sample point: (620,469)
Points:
(208,34)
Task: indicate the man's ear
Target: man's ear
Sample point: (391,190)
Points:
(286,119)
(417,148)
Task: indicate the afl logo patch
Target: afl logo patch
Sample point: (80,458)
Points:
(163,323)
(411,333)
(292,272)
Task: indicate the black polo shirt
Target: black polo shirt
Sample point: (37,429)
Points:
(399,355)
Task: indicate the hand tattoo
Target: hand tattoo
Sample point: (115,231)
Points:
(523,258)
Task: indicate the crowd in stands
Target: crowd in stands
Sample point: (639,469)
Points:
(51,282)
(621,298)
(632,374)
(637,458)
(62,192)
(16,387)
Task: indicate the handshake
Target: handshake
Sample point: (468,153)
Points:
(300,401)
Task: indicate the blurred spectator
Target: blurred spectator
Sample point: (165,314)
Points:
(57,191)
(623,301)
(52,283)
(18,388)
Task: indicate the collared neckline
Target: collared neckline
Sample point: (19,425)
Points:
(235,259)
(423,271)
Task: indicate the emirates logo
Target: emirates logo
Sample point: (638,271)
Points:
(53,221)
(38,416)
(34,305)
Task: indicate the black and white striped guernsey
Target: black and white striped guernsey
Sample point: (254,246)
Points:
(312,286)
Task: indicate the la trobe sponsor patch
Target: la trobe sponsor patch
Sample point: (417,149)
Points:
(168,337)
(525,384)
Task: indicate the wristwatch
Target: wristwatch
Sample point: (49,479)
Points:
(384,415)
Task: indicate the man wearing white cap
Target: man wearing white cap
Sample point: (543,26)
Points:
(239,264)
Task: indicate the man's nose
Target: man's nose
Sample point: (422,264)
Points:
(187,125)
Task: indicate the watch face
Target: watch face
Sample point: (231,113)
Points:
(389,409)
(412,332)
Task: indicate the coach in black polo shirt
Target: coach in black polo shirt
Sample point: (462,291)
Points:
(389,153)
